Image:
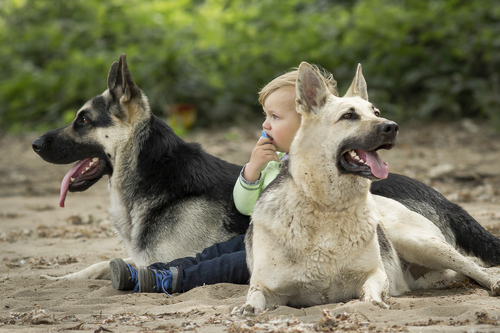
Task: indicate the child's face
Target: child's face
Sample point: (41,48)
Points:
(282,121)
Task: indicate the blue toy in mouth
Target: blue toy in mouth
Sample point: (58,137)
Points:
(264,135)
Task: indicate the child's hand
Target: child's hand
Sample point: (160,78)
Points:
(262,153)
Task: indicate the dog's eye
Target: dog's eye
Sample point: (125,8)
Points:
(82,120)
(377,113)
(350,114)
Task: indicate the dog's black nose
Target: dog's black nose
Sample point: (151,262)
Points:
(38,144)
(389,127)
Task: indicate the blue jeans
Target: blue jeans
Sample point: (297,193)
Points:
(221,262)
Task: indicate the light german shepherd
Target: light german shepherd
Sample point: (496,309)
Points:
(319,236)
(170,199)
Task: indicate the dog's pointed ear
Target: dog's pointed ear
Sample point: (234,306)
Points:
(358,86)
(311,89)
(120,81)
(114,76)
(122,88)
(130,89)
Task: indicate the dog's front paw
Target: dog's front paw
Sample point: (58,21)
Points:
(376,301)
(495,288)
(237,310)
(381,304)
(247,310)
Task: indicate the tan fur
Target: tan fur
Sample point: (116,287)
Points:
(314,237)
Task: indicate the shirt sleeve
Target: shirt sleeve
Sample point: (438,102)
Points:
(245,194)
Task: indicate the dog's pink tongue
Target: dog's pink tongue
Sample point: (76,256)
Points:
(66,180)
(379,168)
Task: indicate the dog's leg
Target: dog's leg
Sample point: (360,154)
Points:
(438,279)
(97,271)
(437,254)
(417,240)
(376,288)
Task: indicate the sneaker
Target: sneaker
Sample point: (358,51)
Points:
(123,276)
(154,280)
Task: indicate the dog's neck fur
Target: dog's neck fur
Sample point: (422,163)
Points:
(321,181)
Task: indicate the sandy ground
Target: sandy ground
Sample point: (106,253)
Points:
(37,237)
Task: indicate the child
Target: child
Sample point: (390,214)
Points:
(226,262)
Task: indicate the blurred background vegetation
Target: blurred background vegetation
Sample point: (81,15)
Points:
(422,58)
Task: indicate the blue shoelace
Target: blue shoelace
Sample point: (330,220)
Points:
(163,279)
(134,276)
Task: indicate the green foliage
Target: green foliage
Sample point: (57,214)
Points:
(431,58)
(421,58)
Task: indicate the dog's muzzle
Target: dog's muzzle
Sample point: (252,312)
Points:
(361,158)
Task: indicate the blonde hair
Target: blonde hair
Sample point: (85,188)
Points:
(289,79)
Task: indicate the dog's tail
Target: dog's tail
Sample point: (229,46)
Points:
(455,223)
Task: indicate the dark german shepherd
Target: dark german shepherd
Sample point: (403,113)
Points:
(170,199)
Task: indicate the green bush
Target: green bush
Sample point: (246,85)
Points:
(421,58)
(430,58)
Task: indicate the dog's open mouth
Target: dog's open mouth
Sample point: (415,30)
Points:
(366,163)
(81,176)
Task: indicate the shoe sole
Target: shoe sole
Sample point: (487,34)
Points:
(118,280)
(145,281)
